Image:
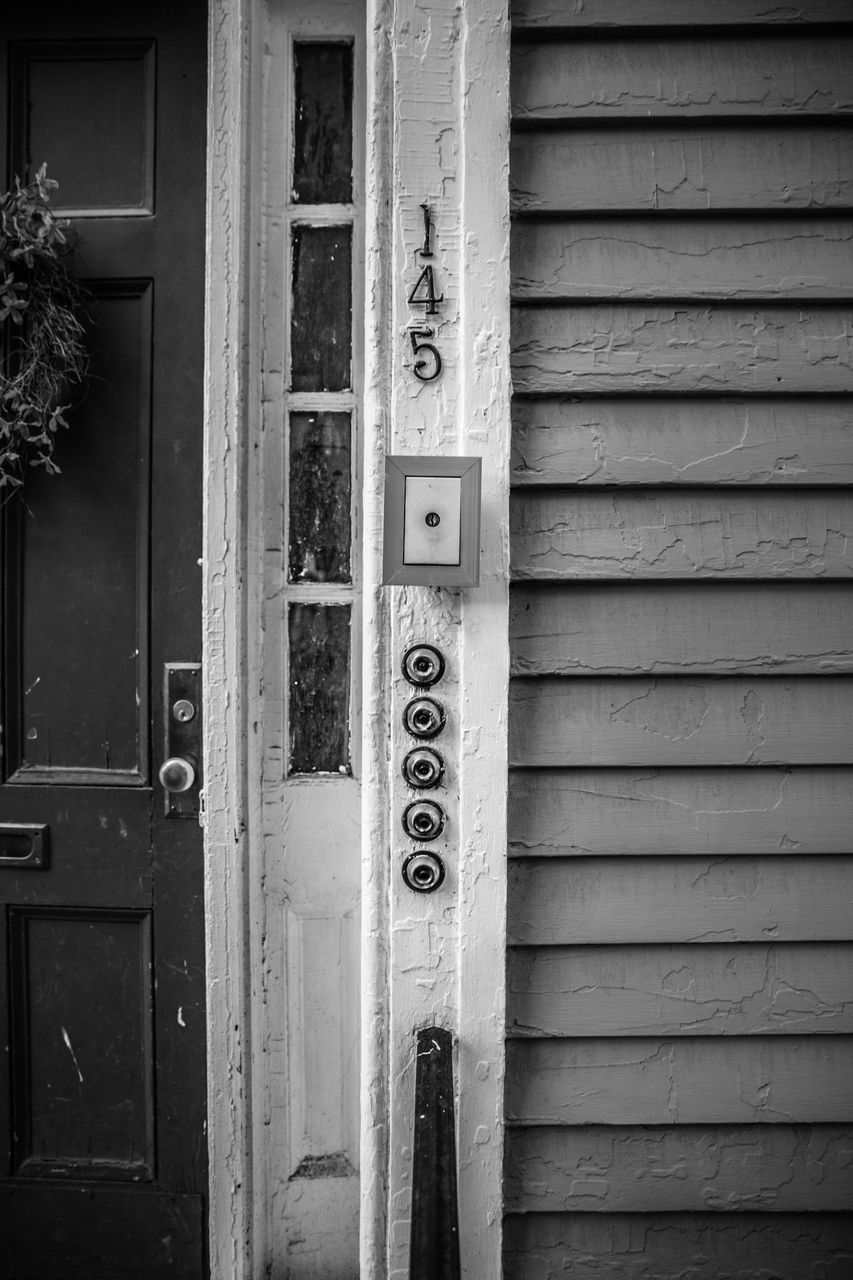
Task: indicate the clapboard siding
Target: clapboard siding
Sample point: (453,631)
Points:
(680,1002)
(530,16)
(588,628)
(675,1246)
(601,347)
(645,76)
(596,901)
(603,1169)
(567,813)
(652,440)
(563,259)
(676,166)
(710,534)
(673,721)
(685,991)
(639,1080)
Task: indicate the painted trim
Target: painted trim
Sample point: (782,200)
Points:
(438,129)
(376,692)
(229,581)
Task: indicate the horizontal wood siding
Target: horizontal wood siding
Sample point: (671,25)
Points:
(651,440)
(696,1167)
(726,628)
(651,900)
(679,1092)
(565,813)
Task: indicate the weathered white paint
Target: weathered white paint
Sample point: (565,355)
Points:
(421,960)
(231,581)
(307,988)
(437,130)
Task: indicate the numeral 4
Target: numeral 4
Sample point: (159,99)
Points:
(423,294)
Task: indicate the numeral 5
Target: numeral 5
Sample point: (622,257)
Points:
(421,365)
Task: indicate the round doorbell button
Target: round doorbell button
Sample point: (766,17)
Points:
(423,717)
(423,872)
(423,768)
(424,820)
(423,665)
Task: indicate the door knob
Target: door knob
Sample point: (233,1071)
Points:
(177,774)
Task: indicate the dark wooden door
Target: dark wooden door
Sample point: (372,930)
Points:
(102,1105)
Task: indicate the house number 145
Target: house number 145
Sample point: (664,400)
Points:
(427,364)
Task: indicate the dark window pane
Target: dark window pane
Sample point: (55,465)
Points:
(319,688)
(322,161)
(321,329)
(319,545)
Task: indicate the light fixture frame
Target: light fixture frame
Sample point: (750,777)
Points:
(395,572)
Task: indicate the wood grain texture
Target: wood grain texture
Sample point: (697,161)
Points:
(681,257)
(696,812)
(680,166)
(580,14)
(680,990)
(589,901)
(603,1169)
(673,1246)
(674,721)
(631,628)
(690,75)
(787,1079)
(596,534)
(600,348)
(650,440)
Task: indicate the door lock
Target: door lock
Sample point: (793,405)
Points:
(180,774)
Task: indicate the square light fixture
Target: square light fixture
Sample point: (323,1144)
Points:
(432,521)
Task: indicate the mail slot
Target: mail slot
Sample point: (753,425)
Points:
(23,845)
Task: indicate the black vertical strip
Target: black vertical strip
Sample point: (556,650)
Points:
(435,1222)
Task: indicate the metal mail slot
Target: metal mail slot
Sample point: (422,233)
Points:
(23,844)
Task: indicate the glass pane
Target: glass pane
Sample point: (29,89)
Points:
(321,329)
(320,486)
(319,688)
(322,161)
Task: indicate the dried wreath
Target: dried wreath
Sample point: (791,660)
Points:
(41,322)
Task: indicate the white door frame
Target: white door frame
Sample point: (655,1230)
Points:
(437,130)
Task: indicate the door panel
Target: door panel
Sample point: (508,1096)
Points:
(103,1097)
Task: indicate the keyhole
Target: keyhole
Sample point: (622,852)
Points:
(432,518)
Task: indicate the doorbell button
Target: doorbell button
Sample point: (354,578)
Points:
(423,665)
(423,872)
(424,717)
(423,768)
(424,820)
